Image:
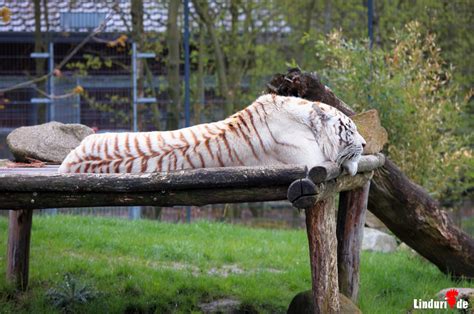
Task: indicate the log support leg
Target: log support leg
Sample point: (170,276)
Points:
(350,228)
(321,230)
(19,234)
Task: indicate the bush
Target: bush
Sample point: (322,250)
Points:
(420,106)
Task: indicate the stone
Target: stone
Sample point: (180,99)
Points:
(369,126)
(4,162)
(373,222)
(302,303)
(50,142)
(464,293)
(378,241)
(403,247)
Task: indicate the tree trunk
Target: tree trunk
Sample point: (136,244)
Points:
(200,88)
(172,40)
(137,34)
(306,27)
(143,70)
(234,66)
(350,228)
(418,220)
(327,16)
(202,9)
(19,235)
(321,231)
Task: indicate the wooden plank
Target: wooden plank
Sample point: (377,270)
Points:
(47,169)
(235,177)
(350,227)
(24,179)
(420,221)
(197,197)
(303,193)
(321,231)
(51,196)
(329,170)
(18,251)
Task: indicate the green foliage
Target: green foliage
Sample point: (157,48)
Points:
(90,62)
(145,266)
(70,293)
(451,21)
(420,106)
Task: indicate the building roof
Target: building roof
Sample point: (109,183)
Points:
(77,17)
(80,16)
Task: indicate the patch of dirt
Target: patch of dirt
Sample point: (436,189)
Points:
(222,271)
(221,306)
(226,270)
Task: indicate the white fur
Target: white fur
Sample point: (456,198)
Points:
(290,130)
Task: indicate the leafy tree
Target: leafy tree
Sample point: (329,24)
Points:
(412,87)
(173,61)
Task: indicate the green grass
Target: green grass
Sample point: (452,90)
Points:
(147,266)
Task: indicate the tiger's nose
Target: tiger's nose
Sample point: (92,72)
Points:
(363,144)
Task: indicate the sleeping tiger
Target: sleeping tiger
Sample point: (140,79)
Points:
(274,130)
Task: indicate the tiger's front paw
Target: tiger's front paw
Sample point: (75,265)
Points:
(350,167)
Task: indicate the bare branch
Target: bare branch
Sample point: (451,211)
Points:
(98,30)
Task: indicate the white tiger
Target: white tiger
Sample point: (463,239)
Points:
(274,130)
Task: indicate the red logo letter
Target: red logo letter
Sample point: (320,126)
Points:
(451,297)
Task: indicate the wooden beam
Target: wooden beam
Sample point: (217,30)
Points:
(303,192)
(420,221)
(184,187)
(161,197)
(18,250)
(321,231)
(234,177)
(329,170)
(350,227)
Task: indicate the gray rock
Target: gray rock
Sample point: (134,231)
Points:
(49,142)
(403,247)
(377,241)
(464,293)
(373,222)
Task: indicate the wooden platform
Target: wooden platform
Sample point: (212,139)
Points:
(334,255)
(39,188)
(29,171)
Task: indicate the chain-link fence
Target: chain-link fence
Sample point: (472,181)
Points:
(101,83)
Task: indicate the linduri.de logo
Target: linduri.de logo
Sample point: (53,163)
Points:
(451,301)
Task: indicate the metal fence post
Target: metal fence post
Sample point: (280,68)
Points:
(134,82)
(52,109)
(135,100)
(135,211)
(187,73)
(49,100)
(187,115)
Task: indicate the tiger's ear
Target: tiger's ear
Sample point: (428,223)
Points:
(321,114)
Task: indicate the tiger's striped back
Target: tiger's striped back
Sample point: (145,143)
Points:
(264,133)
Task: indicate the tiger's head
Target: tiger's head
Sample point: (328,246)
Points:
(338,136)
(334,132)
